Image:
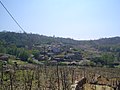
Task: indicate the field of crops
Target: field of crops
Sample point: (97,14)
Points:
(32,77)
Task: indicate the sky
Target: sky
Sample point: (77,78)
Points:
(76,19)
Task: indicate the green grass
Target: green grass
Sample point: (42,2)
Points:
(19,62)
(117,66)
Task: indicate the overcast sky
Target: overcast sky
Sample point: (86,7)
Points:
(77,19)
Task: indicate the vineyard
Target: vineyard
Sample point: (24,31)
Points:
(42,77)
(60,45)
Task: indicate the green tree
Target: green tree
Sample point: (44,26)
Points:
(108,58)
(24,55)
(2,48)
(36,53)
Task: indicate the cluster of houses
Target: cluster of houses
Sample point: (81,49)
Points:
(55,53)
(58,53)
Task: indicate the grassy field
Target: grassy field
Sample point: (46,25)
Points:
(19,62)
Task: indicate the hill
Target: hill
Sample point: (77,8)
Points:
(30,39)
(22,39)
(104,51)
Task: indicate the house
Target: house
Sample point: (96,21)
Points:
(73,56)
(58,59)
(56,50)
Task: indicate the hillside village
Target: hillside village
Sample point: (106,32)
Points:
(58,53)
(39,49)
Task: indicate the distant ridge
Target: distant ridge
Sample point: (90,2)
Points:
(22,39)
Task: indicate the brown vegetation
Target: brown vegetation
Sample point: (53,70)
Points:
(31,77)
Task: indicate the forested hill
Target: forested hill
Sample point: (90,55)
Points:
(23,39)
(108,41)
